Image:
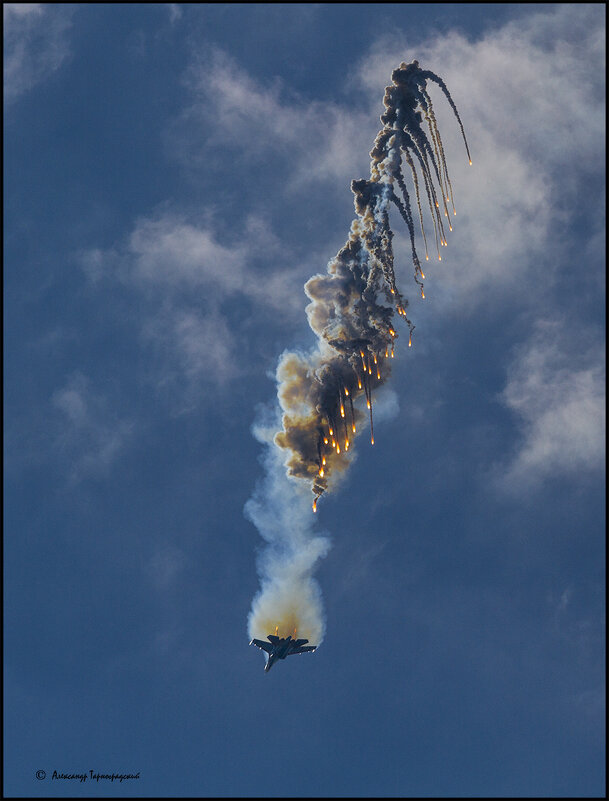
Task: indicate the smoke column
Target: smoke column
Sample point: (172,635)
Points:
(352,314)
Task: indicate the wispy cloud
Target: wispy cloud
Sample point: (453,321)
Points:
(195,350)
(35,44)
(191,281)
(169,252)
(315,141)
(89,433)
(558,396)
(175,12)
(164,566)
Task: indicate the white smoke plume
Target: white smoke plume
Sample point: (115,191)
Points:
(290,598)
(351,312)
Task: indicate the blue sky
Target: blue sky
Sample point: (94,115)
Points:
(172,177)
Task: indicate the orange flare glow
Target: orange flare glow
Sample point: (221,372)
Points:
(342,410)
(337,448)
(314,509)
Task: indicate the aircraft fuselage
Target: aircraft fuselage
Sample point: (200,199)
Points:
(281,647)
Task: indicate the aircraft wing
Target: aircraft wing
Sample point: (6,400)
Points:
(303,649)
(266,646)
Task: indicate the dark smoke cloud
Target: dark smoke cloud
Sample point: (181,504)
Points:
(353,305)
(352,313)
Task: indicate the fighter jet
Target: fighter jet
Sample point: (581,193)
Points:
(280,647)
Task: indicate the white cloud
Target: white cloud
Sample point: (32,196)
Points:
(196,349)
(175,12)
(169,252)
(35,43)
(558,396)
(20,10)
(318,140)
(89,435)
(191,282)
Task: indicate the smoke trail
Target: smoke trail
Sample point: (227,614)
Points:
(290,599)
(351,312)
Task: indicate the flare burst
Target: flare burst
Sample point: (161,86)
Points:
(352,306)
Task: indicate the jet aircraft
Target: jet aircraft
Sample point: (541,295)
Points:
(280,647)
